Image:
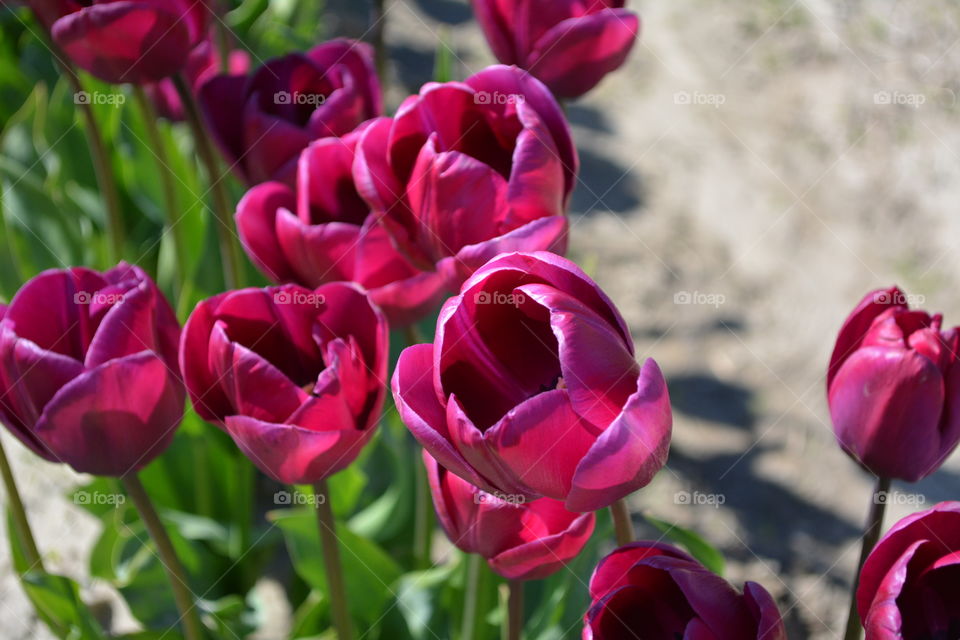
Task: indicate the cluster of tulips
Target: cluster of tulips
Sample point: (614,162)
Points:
(531,408)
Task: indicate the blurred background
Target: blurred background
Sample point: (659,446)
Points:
(752,171)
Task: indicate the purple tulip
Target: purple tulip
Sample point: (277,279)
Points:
(531,387)
(137,41)
(323,231)
(893,386)
(263,121)
(909,584)
(655,591)
(88,369)
(468,170)
(296,376)
(570,45)
(520,540)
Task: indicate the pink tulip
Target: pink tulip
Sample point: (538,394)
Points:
(296,376)
(468,170)
(88,369)
(655,591)
(893,386)
(136,41)
(323,231)
(263,121)
(908,588)
(203,63)
(519,540)
(531,387)
(570,45)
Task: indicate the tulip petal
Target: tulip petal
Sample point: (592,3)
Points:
(127,328)
(318,253)
(495,23)
(536,175)
(575,55)
(206,394)
(545,234)
(114,419)
(856,326)
(631,450)
(221,99)
(257,222)
(372,172)
(358,58)
(545,555)
(765,613)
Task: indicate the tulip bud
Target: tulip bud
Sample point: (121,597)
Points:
(531,387)
(569,45)
(520,540)
(117,41)
(296,376)
(654,590)
(88,369)
(263,121)
(908,586)
(892,387)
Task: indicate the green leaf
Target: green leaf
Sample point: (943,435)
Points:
(703,551)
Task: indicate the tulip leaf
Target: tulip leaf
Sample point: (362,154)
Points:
(703,551)
(369,573)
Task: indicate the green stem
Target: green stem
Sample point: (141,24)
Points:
(377,28)
(167,186)
(229,251)
(20,522)
(870,537)
(471,597)
(621,522)
(192,630)
(513,628)
(423,519)
(331,560)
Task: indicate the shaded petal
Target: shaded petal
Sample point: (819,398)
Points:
(257,221)
(632,449)
(765,613)
(221,99)
(317,253)
(203,384)
(546,555)
(536,175)
(496,26)
(116,418)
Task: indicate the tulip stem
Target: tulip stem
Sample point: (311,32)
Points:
(423,519)
(472,595)
(221,204)
(331,561)
(167,186)
(378,25)
(192,629)
(621,522)
(513,629)
(870,537)
(19,514)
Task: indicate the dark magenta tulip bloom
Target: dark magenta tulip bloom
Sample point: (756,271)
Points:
(655,591)
(88,369)
(203,63)
(893,386)
(520,540)
(467,170)
(531,387)
(263,121)
(909,584)
(321,231)
(296,376)
(136,41)
(570,45)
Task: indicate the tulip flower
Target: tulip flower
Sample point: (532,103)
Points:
(570,45)
(465,171)
(893,385)
(323,231)
(520,540)
(531,387)
(122,41)
(655,591)
(203,63)
(263,121)
(908,587)
(296,376)
(88,369)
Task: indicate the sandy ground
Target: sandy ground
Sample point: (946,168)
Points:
(769,162)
